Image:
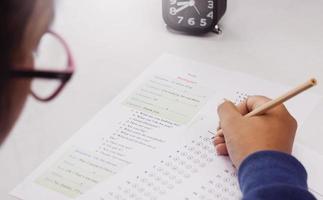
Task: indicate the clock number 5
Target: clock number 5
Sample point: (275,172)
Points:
(203,22)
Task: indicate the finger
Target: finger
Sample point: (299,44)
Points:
(227,112)
(219,133)
(251,103)
(221,149)
(255,101)
(218,140)
(242,107)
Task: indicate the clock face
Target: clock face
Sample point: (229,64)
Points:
(189,15)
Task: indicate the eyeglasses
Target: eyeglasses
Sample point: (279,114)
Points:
(53,52)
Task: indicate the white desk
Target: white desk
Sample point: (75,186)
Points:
(113,41)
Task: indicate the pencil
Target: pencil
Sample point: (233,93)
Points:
(280,100)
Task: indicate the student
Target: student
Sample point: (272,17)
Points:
(259,146)
(22,25)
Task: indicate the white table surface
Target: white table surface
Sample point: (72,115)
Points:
(114,41)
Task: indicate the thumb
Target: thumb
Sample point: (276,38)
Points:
(228,112)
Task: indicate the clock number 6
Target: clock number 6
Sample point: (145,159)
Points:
(191,21)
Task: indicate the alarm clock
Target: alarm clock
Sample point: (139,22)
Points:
(193,16)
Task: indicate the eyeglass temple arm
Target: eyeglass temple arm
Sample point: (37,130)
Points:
(64,76)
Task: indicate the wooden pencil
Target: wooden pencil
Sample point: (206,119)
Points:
(278,101)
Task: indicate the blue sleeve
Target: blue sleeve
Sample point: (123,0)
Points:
(273,175)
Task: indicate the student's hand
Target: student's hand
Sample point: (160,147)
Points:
(242,136)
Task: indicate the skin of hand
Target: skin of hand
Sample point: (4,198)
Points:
(241,136)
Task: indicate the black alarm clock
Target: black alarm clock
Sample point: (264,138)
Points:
(193,16)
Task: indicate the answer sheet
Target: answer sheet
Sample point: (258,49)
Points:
(153,141)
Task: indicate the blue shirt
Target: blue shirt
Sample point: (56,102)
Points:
(273,175)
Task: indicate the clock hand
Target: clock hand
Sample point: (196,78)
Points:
(191,3)
(183,3)
(182,8)
(197,10)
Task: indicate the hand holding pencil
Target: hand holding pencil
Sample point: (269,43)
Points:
(257,124)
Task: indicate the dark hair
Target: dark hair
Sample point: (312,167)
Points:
(14,17)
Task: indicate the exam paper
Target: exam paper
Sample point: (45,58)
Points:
(153,140)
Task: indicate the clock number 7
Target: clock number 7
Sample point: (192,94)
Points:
(180,19)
